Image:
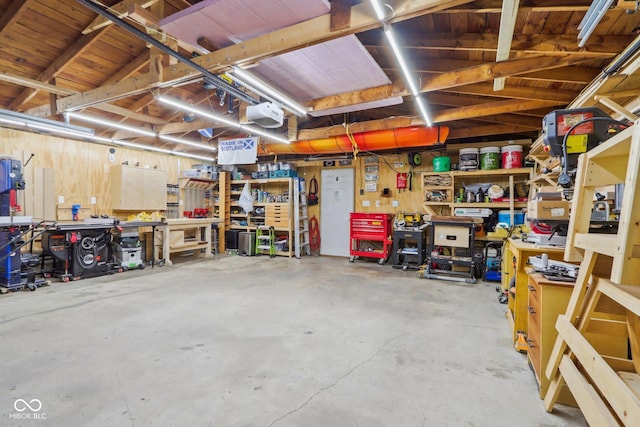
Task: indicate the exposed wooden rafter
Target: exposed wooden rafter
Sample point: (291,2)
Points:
(10,16)
(465,76)
(306,33)
(505,36)
(549,44)
(121,10)
(57,67)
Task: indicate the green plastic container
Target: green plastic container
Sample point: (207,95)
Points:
(490,158)
(441,164)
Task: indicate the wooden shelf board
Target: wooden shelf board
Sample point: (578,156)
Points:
(506,172)
(492,205)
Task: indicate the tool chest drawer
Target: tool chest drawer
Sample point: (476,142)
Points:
(451,235)
(370,235)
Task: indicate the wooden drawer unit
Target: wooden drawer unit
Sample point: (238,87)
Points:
(277,215)
(449,235)
(546,300)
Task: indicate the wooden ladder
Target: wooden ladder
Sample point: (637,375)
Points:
(300,218)
(606,388)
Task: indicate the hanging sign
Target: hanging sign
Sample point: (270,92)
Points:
(239,151)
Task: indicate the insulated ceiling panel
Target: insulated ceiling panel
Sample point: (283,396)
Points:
(330,68)
(226,22)
(333,67)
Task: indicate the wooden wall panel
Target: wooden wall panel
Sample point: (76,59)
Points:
(408,201)
(82,170)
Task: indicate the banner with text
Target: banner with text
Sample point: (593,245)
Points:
(238,151)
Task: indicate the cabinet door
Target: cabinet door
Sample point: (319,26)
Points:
(127,188)
(155,194)
(134,188)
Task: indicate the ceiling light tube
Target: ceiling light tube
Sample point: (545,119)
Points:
(109,123)
(401,61)
(187,142)
(141,146)
(60,130)
(253,81)
(219,119)
(591,20)
(12,122)
(377,7)
(423,110)
(260,132)
(194,156)
(198,111)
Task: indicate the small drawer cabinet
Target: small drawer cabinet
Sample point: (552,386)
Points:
(546,300)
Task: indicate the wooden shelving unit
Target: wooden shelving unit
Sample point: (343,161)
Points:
(604,386)
(275,210)
(434,186)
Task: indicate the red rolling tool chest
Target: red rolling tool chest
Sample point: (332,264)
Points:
(369,231)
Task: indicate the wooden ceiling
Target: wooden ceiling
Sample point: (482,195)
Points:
(58,55)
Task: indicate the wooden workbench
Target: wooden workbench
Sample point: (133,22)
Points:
(185,234)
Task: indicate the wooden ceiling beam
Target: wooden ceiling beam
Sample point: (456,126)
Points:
(121,9)
(490,109)
(35,84)
(10,16)
(461,77)
(130,69)
(512,91)
(481,131)
(310,32)
(80,46)
(125,112)
(340,14)
(571,74)
(495,6)
(508,18)
(599,46)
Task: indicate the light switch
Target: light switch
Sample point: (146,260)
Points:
(93,200)
(366,203)
(60,200)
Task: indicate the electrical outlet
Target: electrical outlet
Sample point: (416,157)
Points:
(93,200)
(398,165)
(395,203)
(366,203)
(377,203)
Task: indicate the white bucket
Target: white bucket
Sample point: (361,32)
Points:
(468,159)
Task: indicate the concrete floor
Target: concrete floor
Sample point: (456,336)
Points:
(265,342)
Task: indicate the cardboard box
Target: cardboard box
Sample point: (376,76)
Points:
(548,209)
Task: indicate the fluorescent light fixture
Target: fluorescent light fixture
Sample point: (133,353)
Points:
(258,84)
(206,114)
(109,123)
(591,19)
(216,118)
(187,142)
(377,7)
(159,150)
(39,124)
(141,146)
(408,76)
(252,129)
(423,110)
